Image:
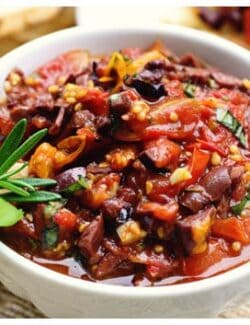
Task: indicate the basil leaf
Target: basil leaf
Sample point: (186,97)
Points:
(82,183)
(34,197)
(238,208)
(50,236)
(189,90)
(229,121)
(9,214)
(13,140)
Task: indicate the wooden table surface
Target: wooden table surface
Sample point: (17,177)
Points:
(14,307)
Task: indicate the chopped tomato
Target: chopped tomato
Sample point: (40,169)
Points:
(231,229)
(209,146)
(163,152)
(132,52)
(197,165)
(187,113)
(246,222)
(197,264)
(165,212)
(72,62)
(174,88)
(96,101)
(169,130)
(66,219)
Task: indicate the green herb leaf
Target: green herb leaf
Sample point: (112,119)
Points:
(9,214)
(22,150)
(13,188)
(34,197)
(238,208)
(13,172)
(189,90)
(13,140)
(21,183)
(82,183)
(229,121)
(52,208)
(50,236)
(38,182)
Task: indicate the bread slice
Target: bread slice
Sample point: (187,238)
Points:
(20,25)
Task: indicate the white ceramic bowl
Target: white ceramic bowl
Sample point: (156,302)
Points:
(57,295)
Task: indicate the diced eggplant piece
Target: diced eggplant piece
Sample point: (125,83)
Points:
(91,237)
(194,199)
(113,266)
(161,153)
(117,209)
(217,182)
(194,230)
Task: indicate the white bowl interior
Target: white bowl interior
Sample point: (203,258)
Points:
(215,50)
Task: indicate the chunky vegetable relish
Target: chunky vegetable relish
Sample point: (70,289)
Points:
(150,152)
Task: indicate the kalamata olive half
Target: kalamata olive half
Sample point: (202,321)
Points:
(69,177)
(151,92)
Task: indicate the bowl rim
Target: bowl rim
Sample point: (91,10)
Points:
(32,268)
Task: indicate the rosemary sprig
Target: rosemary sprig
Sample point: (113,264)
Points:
(13,140)
(34,197)
(20,152)
(20,189)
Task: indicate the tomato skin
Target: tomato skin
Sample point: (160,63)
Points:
(231,229)
(132,52)
(163,152)
(72,62)
(158,130)
(211,147)
(197,165)
(195,265)
(96,101)
(66,219)
(165,212)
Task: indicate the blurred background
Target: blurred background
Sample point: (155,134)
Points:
(19,25)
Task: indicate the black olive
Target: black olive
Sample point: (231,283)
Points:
(147,90)
(124,215)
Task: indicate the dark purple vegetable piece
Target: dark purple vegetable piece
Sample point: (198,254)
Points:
(194,200)
(113,266)
(216,182)
(147,90)
(91,237)
(117,209)
(194,229)
(69,177)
